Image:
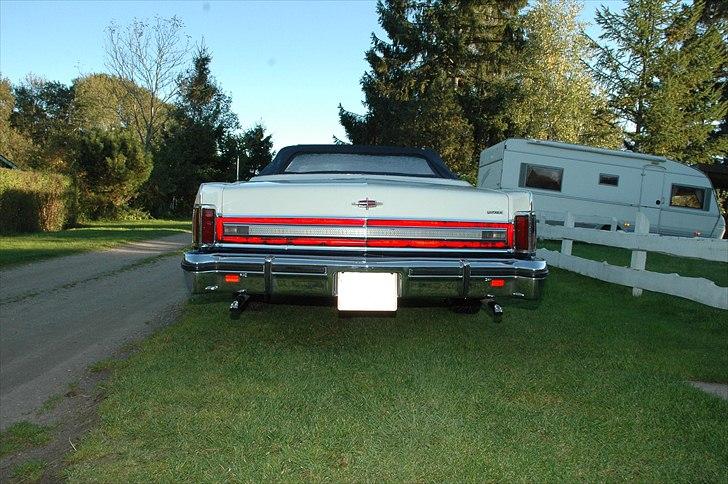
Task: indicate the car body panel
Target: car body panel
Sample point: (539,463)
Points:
(291,234)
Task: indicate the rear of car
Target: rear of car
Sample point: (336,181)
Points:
(364,236)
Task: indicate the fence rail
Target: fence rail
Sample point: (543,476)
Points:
(640,242)
(698,248)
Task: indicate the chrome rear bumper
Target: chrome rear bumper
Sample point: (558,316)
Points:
(316,276)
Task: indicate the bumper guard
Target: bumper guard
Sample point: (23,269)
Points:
(316,276)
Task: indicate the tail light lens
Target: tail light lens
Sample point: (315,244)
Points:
(525,228)
(203,226)
(360,232)
(207,226)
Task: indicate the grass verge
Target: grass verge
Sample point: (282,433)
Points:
(29,471)
(590,386)
(107,364)
(656,262)
(24,248)
(23,435)
(49,404)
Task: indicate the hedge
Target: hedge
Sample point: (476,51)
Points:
(32,201)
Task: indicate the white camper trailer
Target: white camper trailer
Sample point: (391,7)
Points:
(598,185)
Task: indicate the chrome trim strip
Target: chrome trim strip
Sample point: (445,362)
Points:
(435,276)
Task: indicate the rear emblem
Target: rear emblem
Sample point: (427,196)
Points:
(367,204)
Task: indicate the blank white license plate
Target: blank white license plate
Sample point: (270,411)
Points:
(367,291)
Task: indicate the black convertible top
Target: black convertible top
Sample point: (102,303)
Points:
(287,154)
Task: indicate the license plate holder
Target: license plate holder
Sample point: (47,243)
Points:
(366,291)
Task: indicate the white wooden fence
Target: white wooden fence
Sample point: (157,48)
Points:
(639,242)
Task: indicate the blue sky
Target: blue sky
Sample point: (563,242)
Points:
(287,64)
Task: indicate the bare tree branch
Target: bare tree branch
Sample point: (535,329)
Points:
(147,57)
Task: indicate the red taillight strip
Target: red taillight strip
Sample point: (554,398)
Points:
(435,244)
(363,242)
(330,242)
(330,231)
(344,242)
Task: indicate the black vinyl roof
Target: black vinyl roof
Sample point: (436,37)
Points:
(286,155)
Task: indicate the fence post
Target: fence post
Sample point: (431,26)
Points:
(639,257)
(566,244)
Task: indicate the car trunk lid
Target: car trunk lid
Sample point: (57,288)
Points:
(366,198)
(364,213)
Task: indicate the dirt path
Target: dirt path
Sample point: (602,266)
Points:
(61,315)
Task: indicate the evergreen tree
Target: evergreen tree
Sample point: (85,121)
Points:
(714,14)
(438,77)
(251,150)
(661,66)
(111,167)
(557,98)
(192,150)
(257,151)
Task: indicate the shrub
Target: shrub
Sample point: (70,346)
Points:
(31,201)
(113,167)
(132,214)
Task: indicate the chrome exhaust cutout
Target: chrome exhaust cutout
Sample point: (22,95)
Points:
(238,305)
(495,310)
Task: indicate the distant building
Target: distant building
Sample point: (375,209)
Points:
(5,163)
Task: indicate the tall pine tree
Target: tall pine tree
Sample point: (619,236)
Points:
(437,81)
(250,150)
(192,150)
(557,97)
(661,65)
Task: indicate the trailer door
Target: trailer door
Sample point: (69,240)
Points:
(651,198)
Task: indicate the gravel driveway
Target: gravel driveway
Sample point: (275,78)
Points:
(59,316)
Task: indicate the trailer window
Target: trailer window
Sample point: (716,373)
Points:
(544,177)
(689,197)
(605,179)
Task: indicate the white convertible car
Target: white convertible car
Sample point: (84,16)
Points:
(366,225)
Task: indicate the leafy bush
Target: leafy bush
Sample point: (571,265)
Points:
(113,166)
(132,214)
(31,201)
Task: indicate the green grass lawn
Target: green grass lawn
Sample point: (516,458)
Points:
(656,262)
(29,471)
(589,386)
(22,435)
(24,248)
